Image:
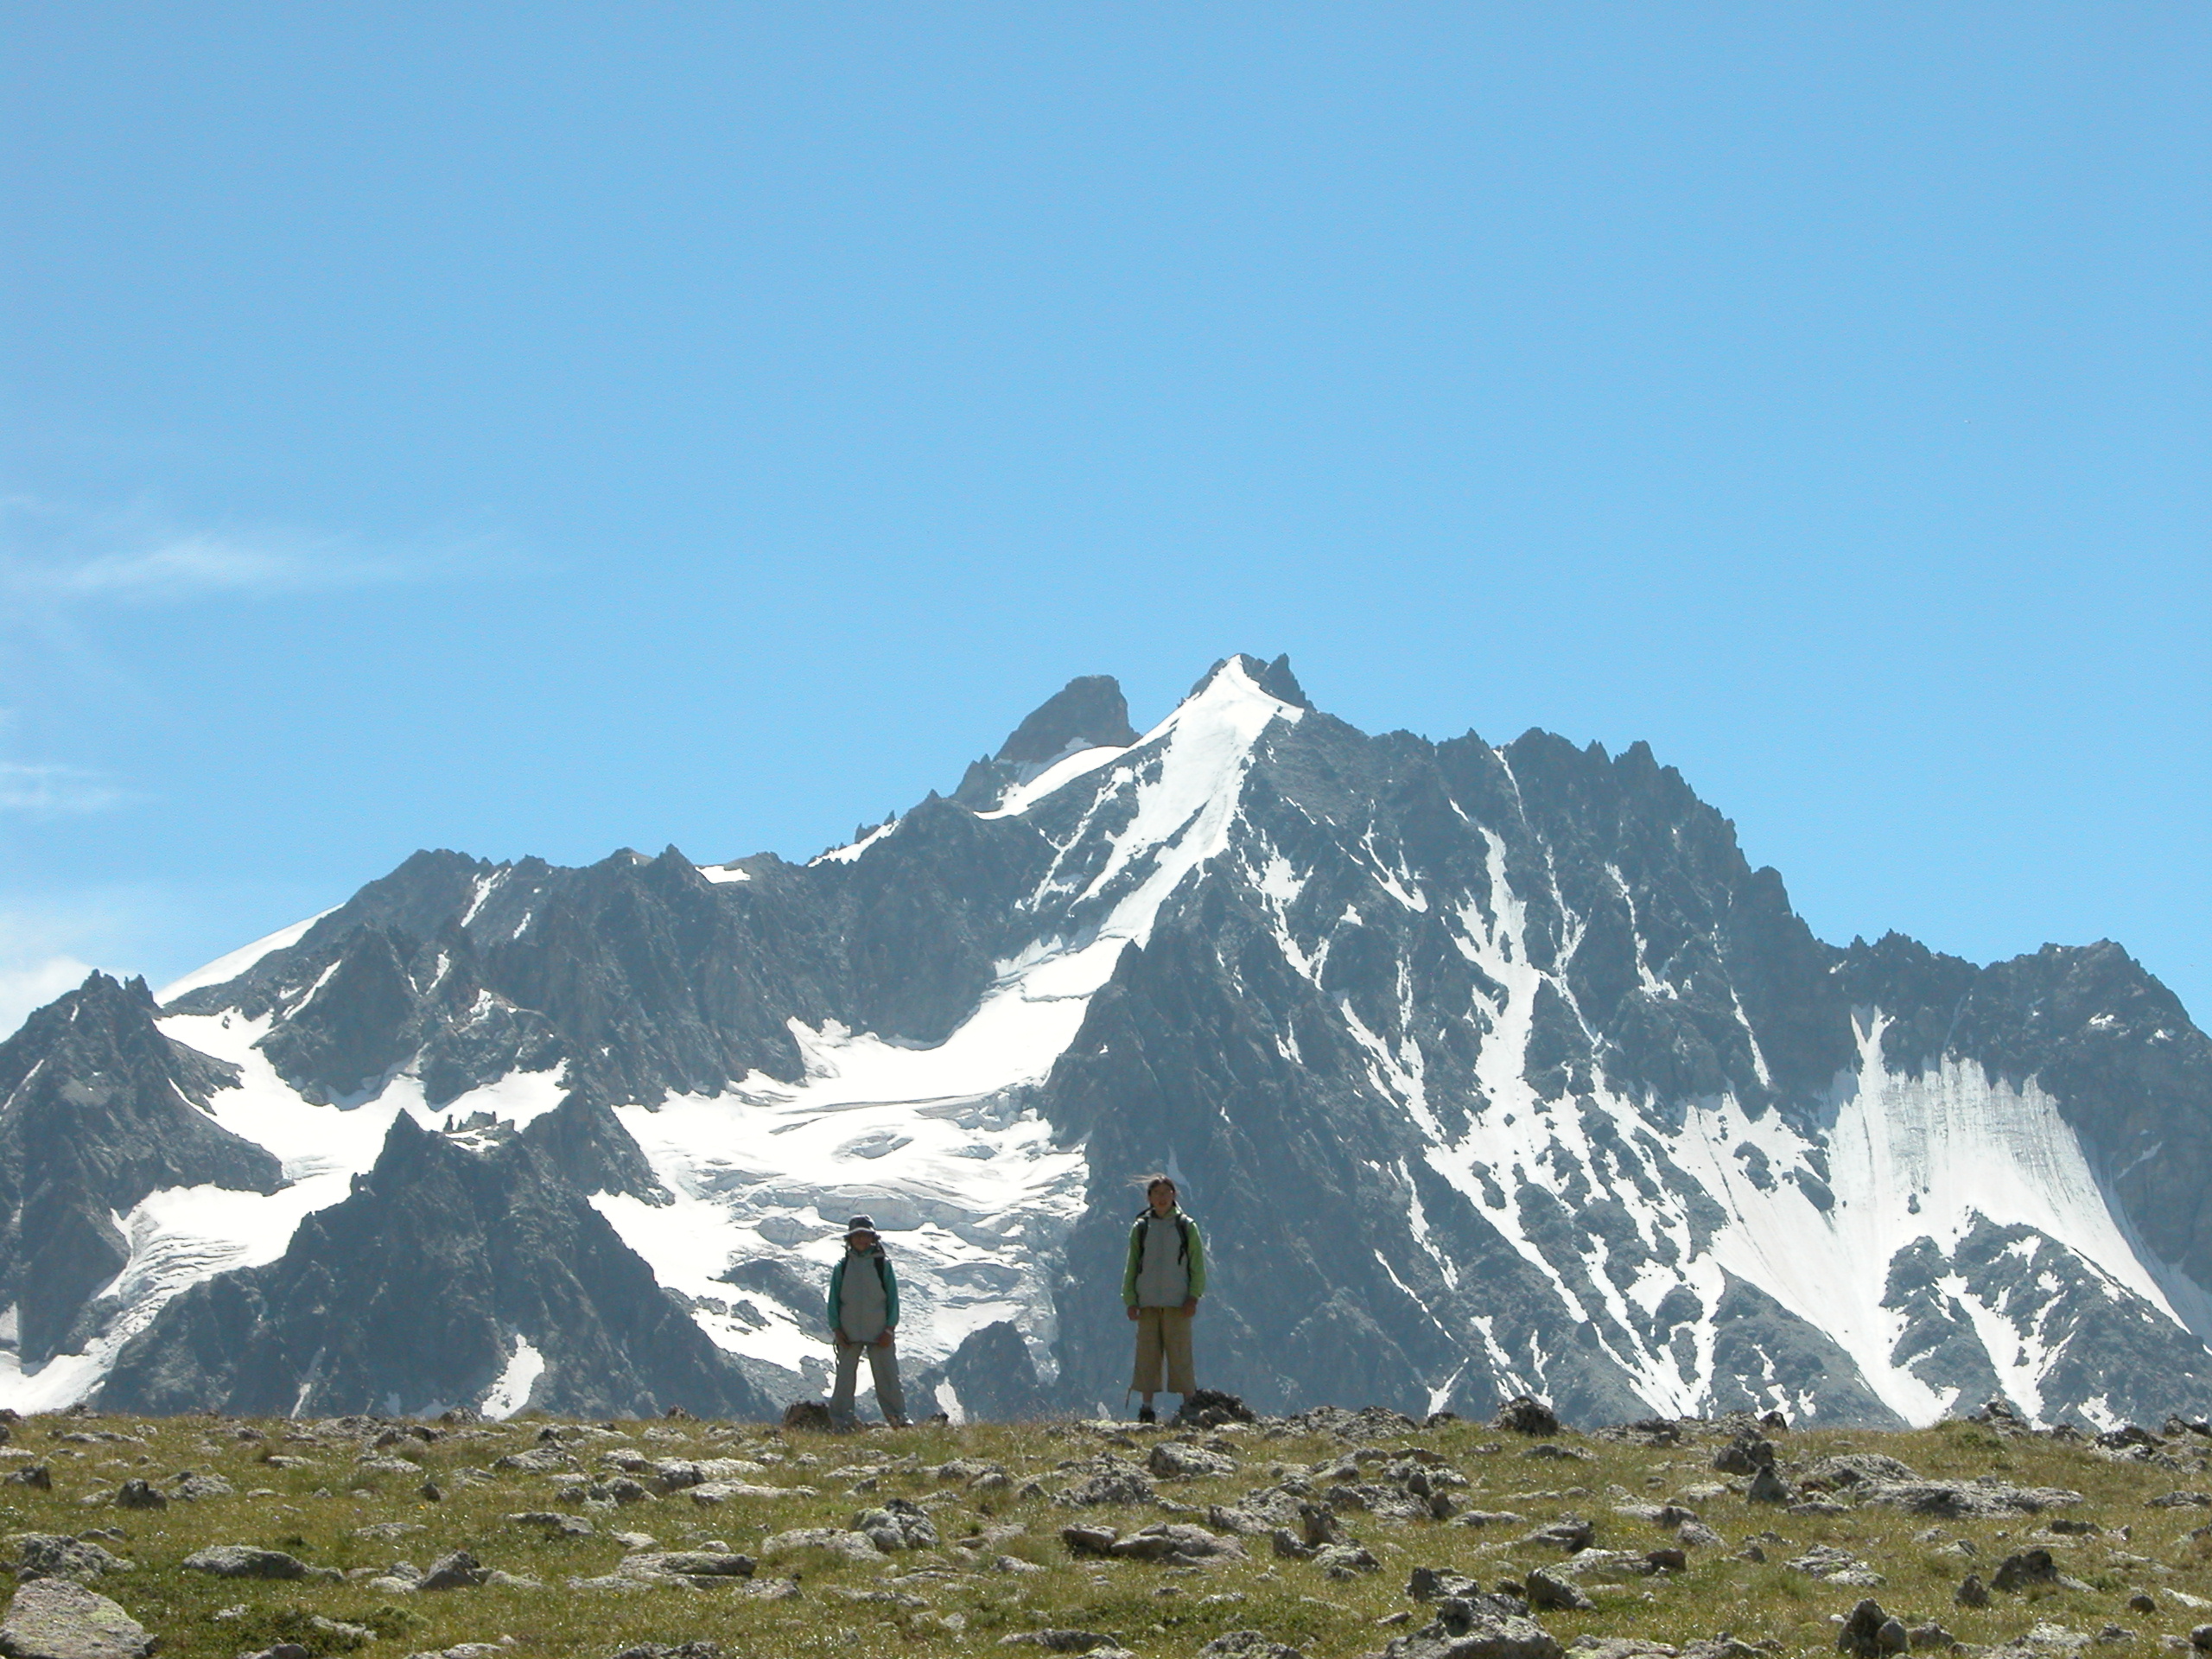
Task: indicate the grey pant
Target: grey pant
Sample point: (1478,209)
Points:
(882,1365)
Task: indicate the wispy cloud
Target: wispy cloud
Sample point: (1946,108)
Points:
(62,557)
(32,788)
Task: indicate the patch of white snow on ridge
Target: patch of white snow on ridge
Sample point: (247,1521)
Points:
(1064,770)
(851,853)
(722,875)
(224,968)
(1951,1140)
(511,1392)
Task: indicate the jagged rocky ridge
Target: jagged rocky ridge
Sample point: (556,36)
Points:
(1490,1070)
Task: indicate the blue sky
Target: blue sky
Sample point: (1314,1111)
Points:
(551,427)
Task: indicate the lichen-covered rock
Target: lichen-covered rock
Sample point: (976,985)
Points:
(44,1555)
(60,1618)
(1463,1630)
(249,1561)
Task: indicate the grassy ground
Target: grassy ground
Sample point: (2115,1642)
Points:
(299,1489)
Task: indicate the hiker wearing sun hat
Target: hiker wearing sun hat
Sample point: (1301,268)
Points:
(863,1315)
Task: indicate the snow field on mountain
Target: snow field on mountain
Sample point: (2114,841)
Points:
(972,1196)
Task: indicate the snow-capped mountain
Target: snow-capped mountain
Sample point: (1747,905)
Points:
(1489,1070)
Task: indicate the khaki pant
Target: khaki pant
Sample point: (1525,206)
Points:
(883,1367)
(1163,1333)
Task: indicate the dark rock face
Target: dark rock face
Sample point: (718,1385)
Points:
(412,1293)
(991,1374)
(1488,1070)
(100,1110)
(1088,713)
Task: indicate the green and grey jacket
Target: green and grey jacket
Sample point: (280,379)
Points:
(885,1274)
(1178,1256)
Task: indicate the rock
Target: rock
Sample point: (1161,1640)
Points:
(1466,1630)
(1768,1487)
(701,1569)
(247,1561)
(1619,1647)
(697,1649)
(1870,1633)
(1087,1541)
(808,1416)
(1248,1644)
(60,1618)
(1126,1484)
(137,1495)
(1667,1561)
(551,1523)
(1746,1454)
(1929,1636)
(389,1532)
(1173,1460)
(2182,1500)
(45,1556)
(458,1571)
(1972,1592)
(2047,1638)
(1853,1469)
(191,1486)
(1834,1565)
(852,1546)
(1345,1560)
(899,1524)
(2141,1602)
(1550,1593)
(2201,1638)
(1569,1532)
(1210,1409)
(1957,1500)
(1060,1641)
(1479,1518)
(1177,1543)
(2029,1566)
(1436,1583)
(1525,1414)
(36,1474)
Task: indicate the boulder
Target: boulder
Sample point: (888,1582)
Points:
(60,1618)
(43,1555)
(1549,1592)
(1175,1460)
(247,1561)
(1525,1414)
(1870,1633)
(458,1571)
(1438,1583)
(1248,1644)
(1466,1630)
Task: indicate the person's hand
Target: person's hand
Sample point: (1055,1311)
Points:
(1132,1310)
(1190,1308)
(883,1341)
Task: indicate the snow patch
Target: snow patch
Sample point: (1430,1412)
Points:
(226,968)
(511,1392)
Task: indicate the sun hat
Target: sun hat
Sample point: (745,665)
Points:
(862,1224)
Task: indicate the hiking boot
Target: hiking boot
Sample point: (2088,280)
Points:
(1147,1415)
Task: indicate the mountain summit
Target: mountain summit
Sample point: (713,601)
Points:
(1491,1069)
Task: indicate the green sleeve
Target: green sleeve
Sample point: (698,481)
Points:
(1197,1263)
(890,1293)
(1129,1272)
(836,1293)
